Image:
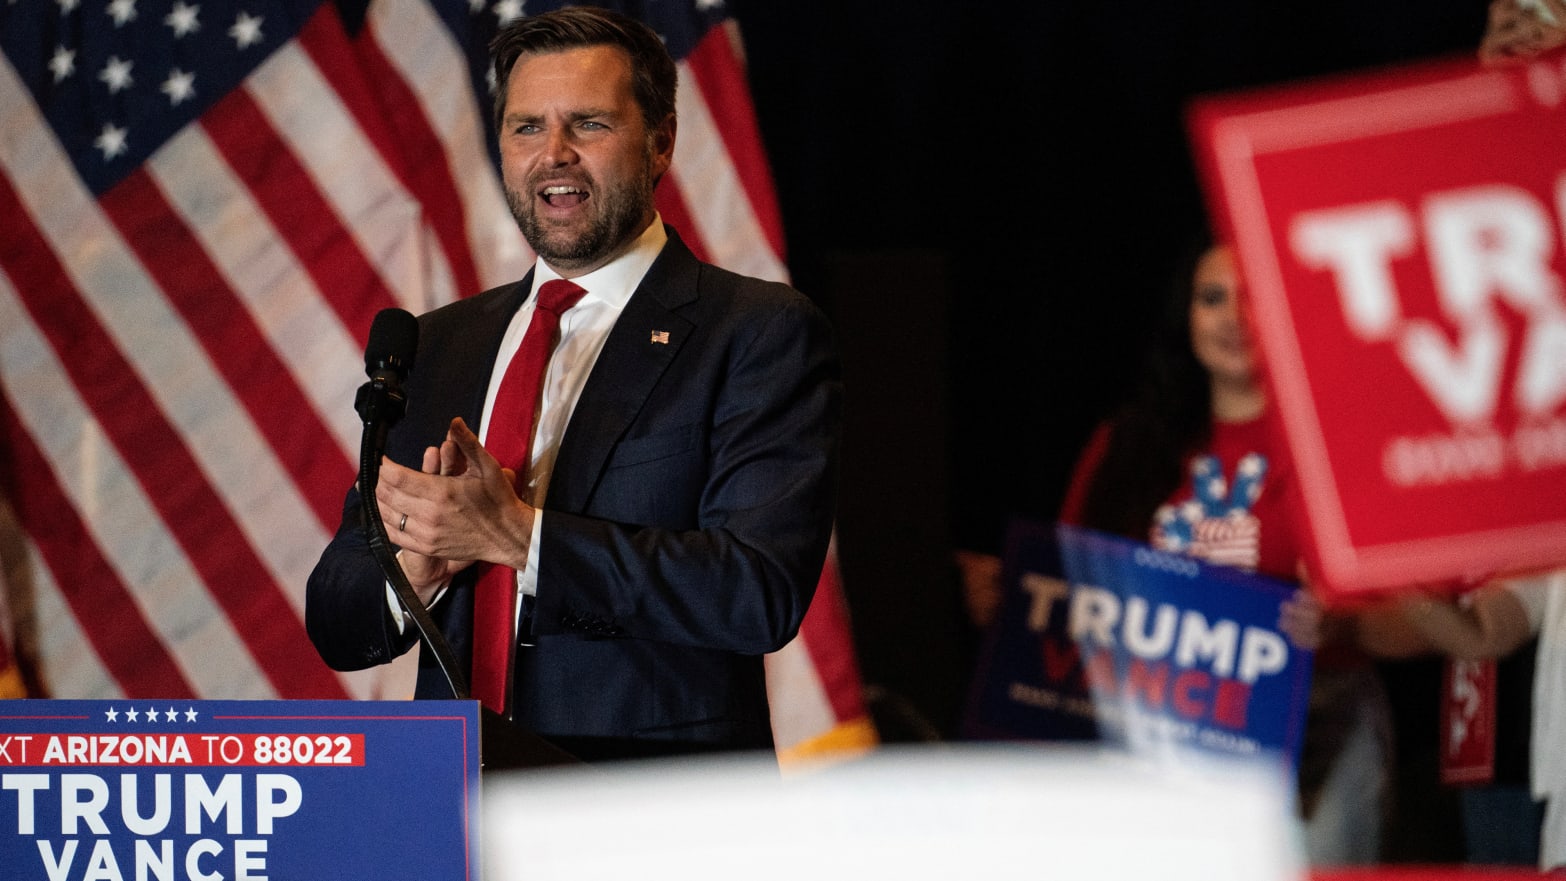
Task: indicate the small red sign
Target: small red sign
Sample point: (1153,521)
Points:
(1401,236)
(1468,722)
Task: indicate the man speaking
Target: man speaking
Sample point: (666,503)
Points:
(645,509)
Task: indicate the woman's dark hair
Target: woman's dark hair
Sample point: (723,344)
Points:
(653,76)
(1169,418)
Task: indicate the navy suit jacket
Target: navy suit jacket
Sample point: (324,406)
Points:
(685,525)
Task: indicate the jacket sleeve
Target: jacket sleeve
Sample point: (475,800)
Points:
(346,611)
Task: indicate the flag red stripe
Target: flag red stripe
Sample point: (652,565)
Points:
(101,602)
(672,208)
(300,212)
(390,117)
(721,77)
(164,466)
(828,640)
(239,350)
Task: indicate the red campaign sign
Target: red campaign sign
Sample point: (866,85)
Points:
(1401,239)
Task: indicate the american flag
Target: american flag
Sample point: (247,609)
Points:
(202,207)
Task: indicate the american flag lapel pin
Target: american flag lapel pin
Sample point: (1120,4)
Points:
(661,337)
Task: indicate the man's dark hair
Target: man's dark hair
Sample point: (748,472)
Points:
(653,78)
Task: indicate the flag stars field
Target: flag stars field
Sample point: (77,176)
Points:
(111,141)
(246,30)
(117,74)
(507,11)
(182,20)
(122,11)
(180,86)
(63,62)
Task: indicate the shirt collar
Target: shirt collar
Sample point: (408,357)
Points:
(615,282)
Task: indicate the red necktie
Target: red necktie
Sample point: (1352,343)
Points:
(509,439)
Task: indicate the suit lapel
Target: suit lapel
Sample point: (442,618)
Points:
(641,346)
(482,346)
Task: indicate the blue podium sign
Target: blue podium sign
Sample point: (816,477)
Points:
(1100,636)
(238,790)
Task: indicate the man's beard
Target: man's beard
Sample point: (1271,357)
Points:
(617,216)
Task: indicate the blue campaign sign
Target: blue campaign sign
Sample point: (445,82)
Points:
(1153,650)
(1028,682)
(238,790)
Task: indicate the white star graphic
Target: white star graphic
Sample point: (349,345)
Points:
(246,30)
(122,11)
(183,19)
(190,715)
(171,715)
(152,714)
(179,86)
(68,6)
(112,142)
(131,715)
(113,715)
(63,63)
(117,74)
(507,11)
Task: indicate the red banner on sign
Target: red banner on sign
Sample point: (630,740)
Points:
(1401,238)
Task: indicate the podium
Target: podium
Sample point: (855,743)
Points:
(167,789)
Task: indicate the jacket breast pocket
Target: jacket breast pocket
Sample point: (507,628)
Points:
(654,480)
(655,447)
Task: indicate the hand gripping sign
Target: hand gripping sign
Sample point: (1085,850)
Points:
(1401,239)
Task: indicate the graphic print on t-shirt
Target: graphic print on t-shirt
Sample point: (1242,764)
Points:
(1216,523)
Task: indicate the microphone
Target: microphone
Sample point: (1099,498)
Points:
(394,339)
(388,356)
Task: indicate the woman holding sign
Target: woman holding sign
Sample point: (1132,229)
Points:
(1191,466)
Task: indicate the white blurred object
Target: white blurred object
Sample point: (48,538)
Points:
(901,812)
(1538,8)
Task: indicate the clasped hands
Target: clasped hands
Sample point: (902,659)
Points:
(461,507)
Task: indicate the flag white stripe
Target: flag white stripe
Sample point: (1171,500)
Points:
(301,327)
(417,43)
(719,207)
(116,513)
(366,196)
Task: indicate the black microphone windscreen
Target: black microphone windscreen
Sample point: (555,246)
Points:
(394,338)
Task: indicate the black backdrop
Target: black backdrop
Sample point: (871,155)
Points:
(986,197)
